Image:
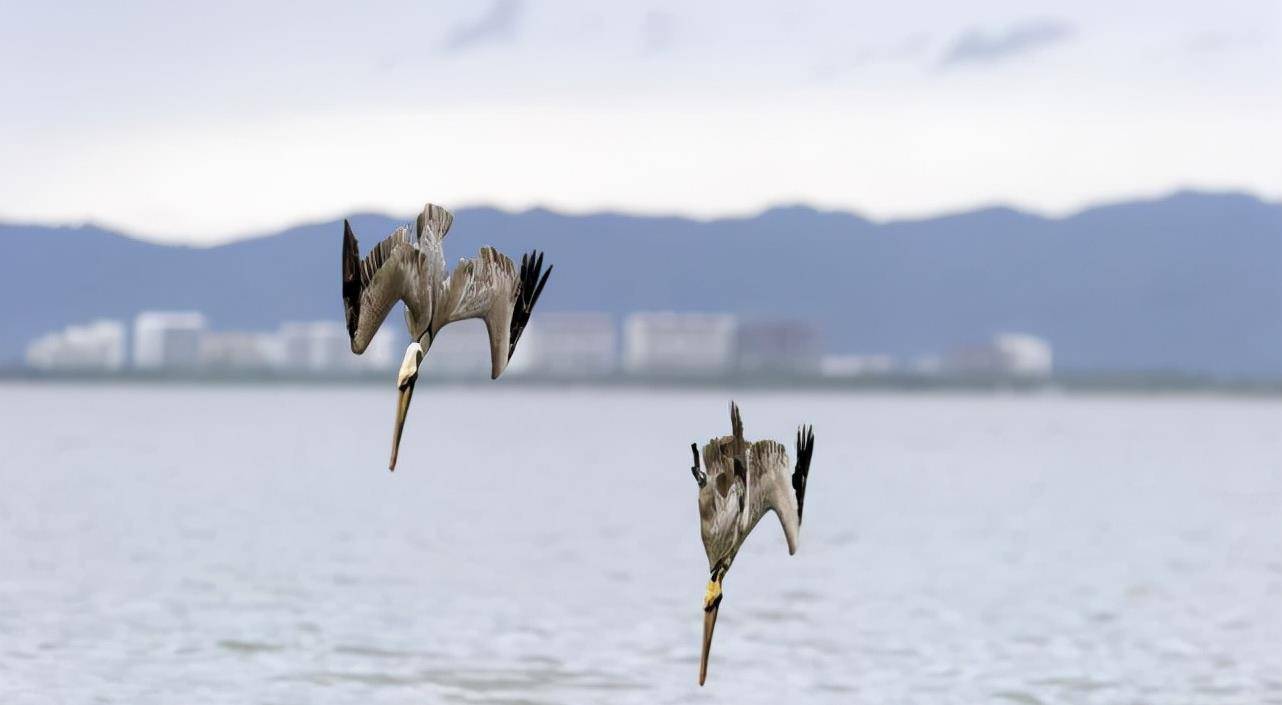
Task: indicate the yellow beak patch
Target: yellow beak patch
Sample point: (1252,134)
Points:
(711,594)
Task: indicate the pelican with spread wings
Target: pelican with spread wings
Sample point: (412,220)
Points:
(742,482)
(412,269)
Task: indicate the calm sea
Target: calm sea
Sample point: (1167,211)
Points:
(169,544)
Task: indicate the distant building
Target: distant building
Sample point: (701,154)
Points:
(1025,355)
(928,364)
(1006,355)
(567,345)
(680,343)
(461,351)
(97,346)
(779,347)
(858,365)
(239,351)
(168,340)
(324,348)
(385,349)
(314,347)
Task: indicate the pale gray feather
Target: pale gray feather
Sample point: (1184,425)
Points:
(731,504)
(483,287)
(400,268)
(393,271)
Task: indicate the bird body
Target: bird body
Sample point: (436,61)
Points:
(768,488)
(412,270)
(741,483)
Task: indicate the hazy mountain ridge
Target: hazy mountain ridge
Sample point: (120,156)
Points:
(1189,282)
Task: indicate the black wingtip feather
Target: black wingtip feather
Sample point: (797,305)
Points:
(351,262)
(528,291)
(739,452)
(805,449)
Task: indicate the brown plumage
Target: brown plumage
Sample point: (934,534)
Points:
(412,270)
(740,482)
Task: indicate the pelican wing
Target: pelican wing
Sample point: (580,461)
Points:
(777,486)
(490,287)
(394,270)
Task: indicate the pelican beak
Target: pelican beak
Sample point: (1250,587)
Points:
(403,395)
(711,605)
(405,381)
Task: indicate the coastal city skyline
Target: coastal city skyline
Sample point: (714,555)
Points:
(558,345)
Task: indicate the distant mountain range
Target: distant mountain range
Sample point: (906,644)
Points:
(1189,283)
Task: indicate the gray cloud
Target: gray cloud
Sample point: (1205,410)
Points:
(499,22)
(976,46)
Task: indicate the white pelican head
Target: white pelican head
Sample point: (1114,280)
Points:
(406,377)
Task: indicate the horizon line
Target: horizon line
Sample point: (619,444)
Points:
(302,222)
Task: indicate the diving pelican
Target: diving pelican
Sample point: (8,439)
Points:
(742,482)
(401,268)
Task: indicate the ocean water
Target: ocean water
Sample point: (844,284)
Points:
(170,544)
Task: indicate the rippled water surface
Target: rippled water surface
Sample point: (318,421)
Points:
(246,545)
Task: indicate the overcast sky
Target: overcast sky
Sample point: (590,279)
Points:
(203,122)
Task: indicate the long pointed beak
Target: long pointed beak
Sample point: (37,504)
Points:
(404,394)
(709,623)
(711,605)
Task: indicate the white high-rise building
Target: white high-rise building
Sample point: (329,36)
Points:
(240,351)
(324,348)
(96,346)
(311,347)
(1007,354)
(385,349)
(461,351)
(1024,355)
(567,345)
(318,348)
(168,340)
(679,343)
(857,365)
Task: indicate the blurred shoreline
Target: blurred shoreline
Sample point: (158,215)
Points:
(1067,383)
